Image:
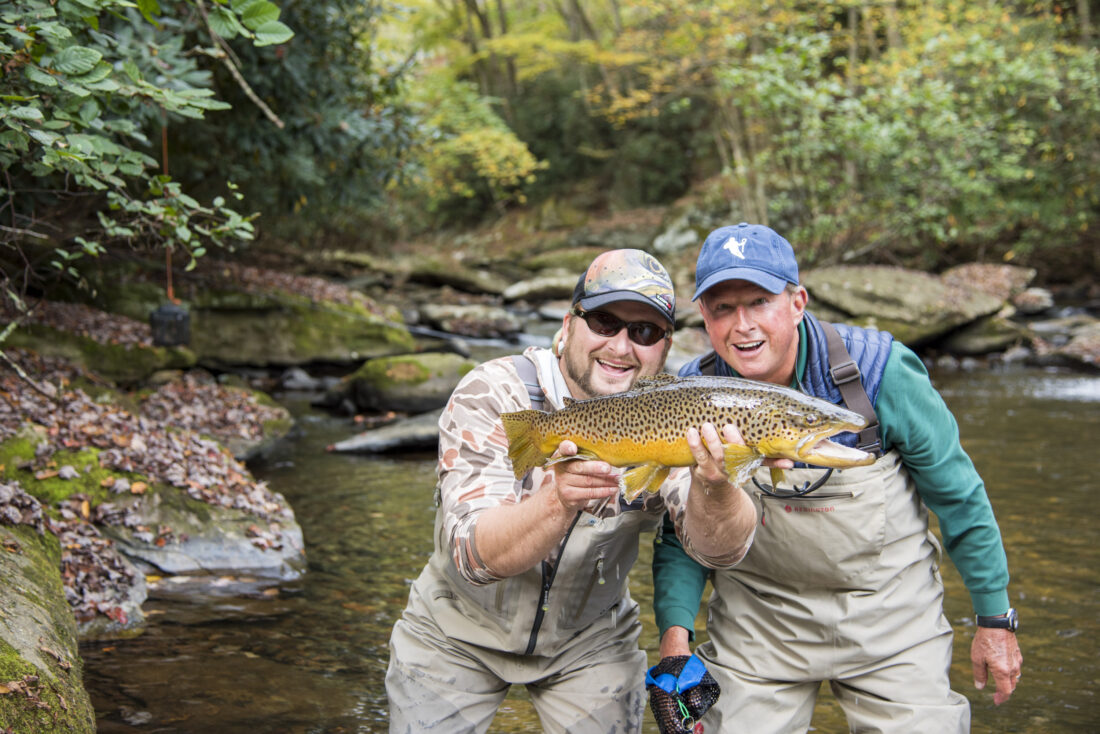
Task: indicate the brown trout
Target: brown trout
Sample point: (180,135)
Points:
(645,428)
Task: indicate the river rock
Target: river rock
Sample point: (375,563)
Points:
(990,334)
(1033,301)
(248,316)
(915,307)
(203,538)
(545,287)
(437,271)
(123,364)
(412,383)
(41,687)
(1000,281)
(420,432)
(1072,340)
(283,330)
(472,320)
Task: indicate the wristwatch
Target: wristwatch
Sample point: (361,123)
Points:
(1007,621)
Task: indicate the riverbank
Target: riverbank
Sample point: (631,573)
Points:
(128,460)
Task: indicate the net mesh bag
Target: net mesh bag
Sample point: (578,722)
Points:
(680,692)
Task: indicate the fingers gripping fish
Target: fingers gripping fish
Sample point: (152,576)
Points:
(645,428)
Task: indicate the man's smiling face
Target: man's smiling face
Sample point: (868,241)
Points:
(753,330)
(600,365)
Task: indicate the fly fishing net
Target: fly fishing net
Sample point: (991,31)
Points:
(680,692)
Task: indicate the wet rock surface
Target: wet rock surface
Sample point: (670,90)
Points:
(103,470)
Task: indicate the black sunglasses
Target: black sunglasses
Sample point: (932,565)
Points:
(642,333)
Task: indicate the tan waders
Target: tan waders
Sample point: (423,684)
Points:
(457,648)
(843,586)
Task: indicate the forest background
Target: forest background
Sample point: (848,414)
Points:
(922,134)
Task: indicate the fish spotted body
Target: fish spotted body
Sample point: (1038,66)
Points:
(646,428)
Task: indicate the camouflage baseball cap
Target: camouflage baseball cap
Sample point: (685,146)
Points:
(626,275)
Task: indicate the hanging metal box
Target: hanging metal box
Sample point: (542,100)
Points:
(171,325)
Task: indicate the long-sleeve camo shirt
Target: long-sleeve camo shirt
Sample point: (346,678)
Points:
(475,473)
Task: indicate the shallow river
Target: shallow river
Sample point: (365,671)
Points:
(238,655)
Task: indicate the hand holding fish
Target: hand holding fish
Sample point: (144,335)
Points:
(576,483)
(709,453)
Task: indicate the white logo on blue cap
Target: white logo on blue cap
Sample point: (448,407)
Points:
(736,246)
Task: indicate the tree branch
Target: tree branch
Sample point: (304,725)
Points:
(225,56)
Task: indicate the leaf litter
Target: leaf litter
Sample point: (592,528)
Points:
(166,442)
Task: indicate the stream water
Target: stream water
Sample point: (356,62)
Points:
(239,655)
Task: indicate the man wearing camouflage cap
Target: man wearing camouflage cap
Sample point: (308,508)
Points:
(528,580)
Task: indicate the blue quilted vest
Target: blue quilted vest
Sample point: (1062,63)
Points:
(869,349)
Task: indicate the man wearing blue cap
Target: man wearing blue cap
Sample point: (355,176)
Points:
(842,582)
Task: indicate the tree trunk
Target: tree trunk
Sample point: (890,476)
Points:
(869,33)
(893,37)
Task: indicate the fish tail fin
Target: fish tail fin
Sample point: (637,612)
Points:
(646,477)
(523,447)
(741,462)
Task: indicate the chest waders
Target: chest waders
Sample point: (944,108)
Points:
(842,585)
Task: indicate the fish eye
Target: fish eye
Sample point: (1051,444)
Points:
(812,419)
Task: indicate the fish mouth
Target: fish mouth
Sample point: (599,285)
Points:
(817,449)
(824,452)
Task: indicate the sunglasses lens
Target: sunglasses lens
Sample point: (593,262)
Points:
(640,332)
(602,323)
(644,334)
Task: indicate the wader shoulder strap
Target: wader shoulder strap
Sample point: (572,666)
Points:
(845,374)
(708,365)
(530,376)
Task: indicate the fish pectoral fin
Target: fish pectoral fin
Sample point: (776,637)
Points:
(581,455)
(741,462)
(646,477)
(777,476)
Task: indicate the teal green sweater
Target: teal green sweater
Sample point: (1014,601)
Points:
(917,423)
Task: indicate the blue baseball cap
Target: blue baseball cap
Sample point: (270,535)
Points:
(749,252)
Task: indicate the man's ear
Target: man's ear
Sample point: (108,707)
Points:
(799,299)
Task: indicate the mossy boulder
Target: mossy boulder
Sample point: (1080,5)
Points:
(119,363)
(235,328)
(241,315)
(159,526)
(916,308)
(412,383)
(204,538)
(991,334)
(440,270)
(41,672)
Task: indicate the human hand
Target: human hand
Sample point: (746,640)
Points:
(996,651)
(708,451)
(576,483)
(681,690)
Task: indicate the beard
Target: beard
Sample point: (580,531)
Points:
(589,378)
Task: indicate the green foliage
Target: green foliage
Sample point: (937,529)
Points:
(84,83)
(864,134)
(465,158)
(343,133)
